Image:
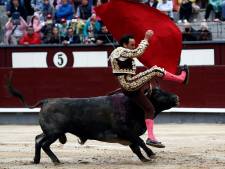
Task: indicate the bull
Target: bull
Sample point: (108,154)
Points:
(113,118)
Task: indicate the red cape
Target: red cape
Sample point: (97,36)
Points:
(123,17)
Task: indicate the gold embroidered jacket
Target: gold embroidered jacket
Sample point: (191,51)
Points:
(122,58)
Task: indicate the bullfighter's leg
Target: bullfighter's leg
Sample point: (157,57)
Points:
(136,149)
(46,147)
(135,82)
(39,139)
(143,102)
(182,78)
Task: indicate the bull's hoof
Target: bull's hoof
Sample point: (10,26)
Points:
(56,162)
(154,143)
(145,160)
(151,155)
(36,161)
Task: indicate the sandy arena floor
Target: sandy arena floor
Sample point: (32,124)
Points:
(188,146)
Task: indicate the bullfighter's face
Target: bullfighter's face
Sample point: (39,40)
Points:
(131,44)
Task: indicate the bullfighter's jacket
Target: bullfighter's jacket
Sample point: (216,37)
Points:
(122,58)
(123,66)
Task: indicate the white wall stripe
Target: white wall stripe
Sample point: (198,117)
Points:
(197,57)
(90,59)
(29,60)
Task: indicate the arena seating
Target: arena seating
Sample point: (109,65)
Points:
(217,28)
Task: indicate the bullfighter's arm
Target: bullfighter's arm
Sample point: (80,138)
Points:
(128,53)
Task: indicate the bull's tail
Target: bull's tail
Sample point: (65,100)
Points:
(63,139)
(16,93)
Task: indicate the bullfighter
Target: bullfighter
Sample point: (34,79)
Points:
(124,68)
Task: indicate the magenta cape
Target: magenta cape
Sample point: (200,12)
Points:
(123,17)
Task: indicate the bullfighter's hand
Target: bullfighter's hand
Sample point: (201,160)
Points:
(148,34)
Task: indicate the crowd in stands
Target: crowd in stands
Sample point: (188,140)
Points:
(54,22)
(189,9)
(75,21)
(190,34)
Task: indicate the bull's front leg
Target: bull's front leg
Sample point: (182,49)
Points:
(136,140)
(136,149)
(147,150)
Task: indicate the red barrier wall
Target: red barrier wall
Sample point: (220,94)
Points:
(206,88)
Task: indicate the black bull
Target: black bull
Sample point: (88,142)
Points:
(114,119)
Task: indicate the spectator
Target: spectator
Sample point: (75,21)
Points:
(84,11)
(176,5)
(64,11)
(24,3)
(91,2)
(76,4)
(29,9)
(185,11)
(47,29)
(14,30)
(77,25)
(63,27)
(57,4)
(31,38)
(9,2)
(213,5)
(37,4)
(104,36)
(35,23)
(71,37)
(195,10)
(189,34)
(202,3)
(152,3)
(223,10)
(55,38)
(2,2)
(46,9)
(204,33)
(166,6)
(98,3)
(91,29)
(15,6)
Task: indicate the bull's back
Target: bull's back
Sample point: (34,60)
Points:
(85,108)
(79,115)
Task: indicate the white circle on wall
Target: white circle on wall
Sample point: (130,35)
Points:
(60,59)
